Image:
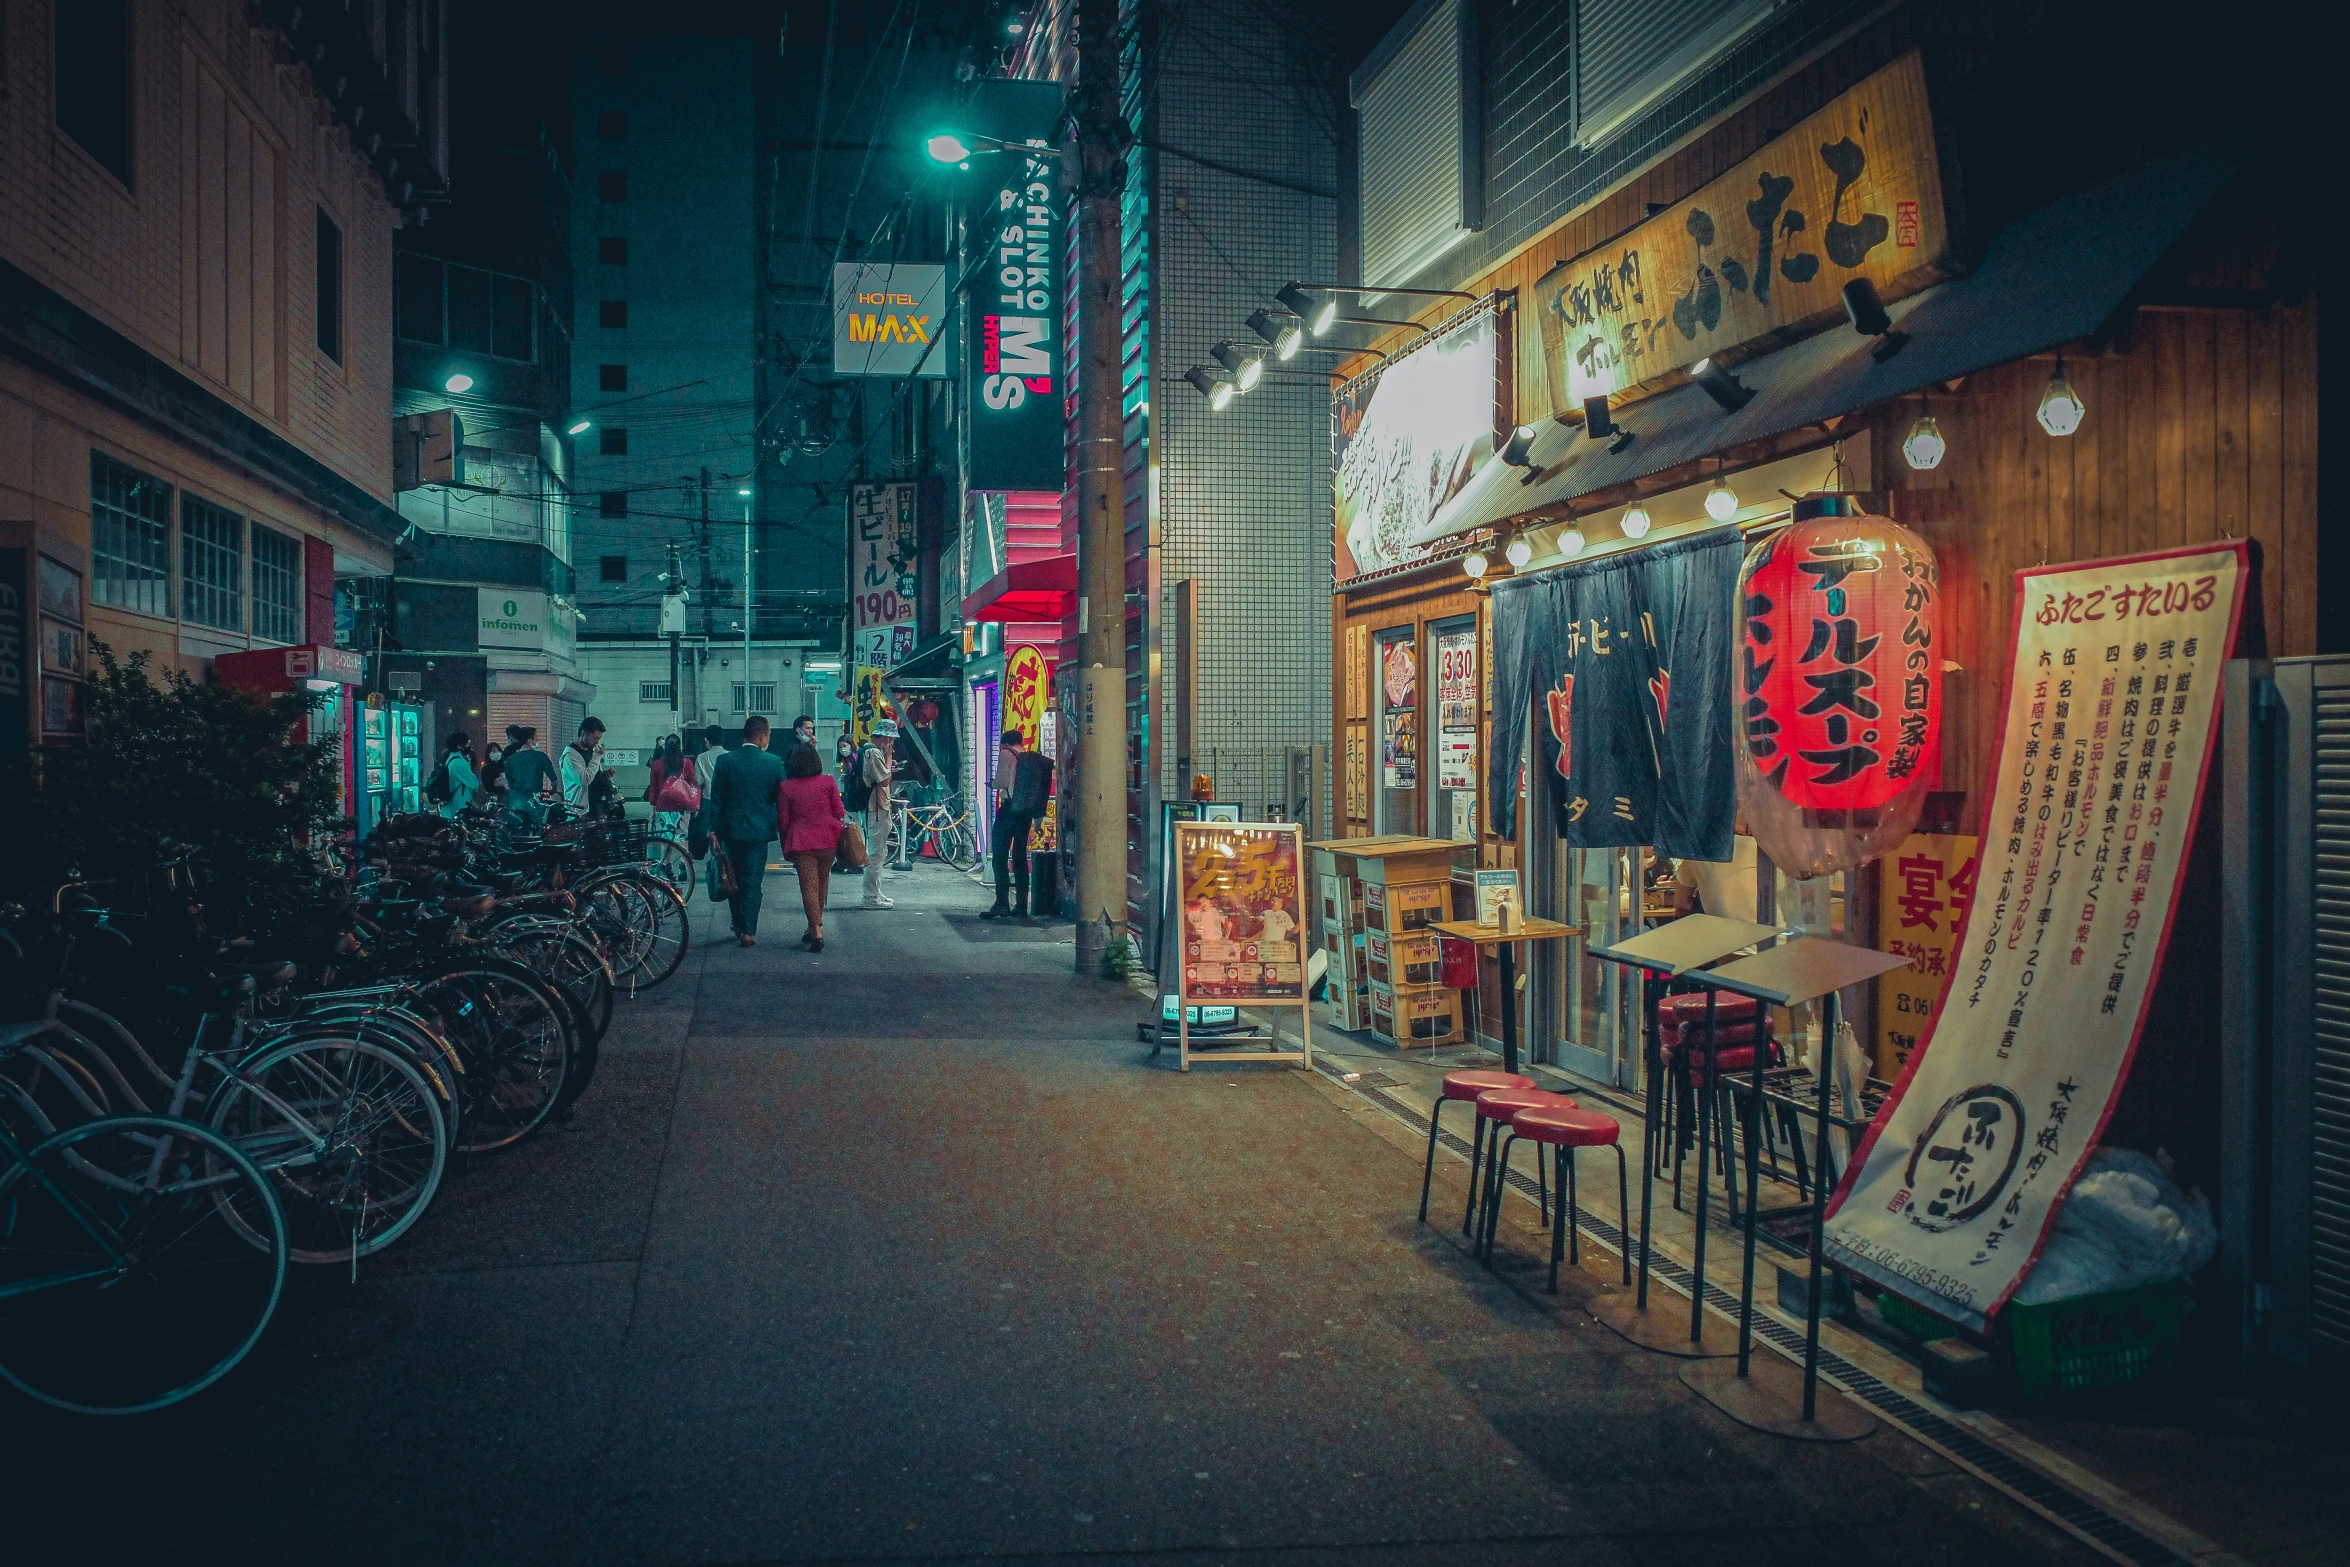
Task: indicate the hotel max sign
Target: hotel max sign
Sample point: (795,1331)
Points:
(886,318)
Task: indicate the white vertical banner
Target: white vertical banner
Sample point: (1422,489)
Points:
(2111,713)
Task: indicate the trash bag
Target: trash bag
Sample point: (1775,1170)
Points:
(2126,1223)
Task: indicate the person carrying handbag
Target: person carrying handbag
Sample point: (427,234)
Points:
(673,793)
(810,818)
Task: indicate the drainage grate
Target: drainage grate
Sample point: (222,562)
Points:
(2117,1536)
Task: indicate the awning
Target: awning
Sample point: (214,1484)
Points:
(1043,589)
(932,667)
(2048,278)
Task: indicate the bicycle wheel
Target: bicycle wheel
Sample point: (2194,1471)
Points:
(350,1135)
(128,1284)
(560,954)
(670,934)
(513,1032)
(668,860)
(398,1029)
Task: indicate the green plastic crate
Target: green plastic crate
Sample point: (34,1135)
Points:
(2094,1341)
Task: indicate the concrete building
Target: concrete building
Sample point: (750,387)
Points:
(198,200)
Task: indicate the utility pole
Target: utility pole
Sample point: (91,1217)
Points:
(673,622)
(1101,512)
(745,493)
(708,606)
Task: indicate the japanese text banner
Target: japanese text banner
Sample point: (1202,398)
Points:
(2112,708)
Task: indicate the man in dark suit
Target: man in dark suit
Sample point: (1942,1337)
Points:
(744,784)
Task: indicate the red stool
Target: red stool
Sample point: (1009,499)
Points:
(1501,1106)
(1565,1131)
(1462,1085)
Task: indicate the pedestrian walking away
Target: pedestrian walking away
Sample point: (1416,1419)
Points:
(1023,782)
(809,817)
(672,793)
(876,767)
(454,785)
(744,786)
(530,778)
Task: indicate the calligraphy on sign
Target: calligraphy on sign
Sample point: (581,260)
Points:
(1841,685)
(1853,191)
(1923,890)
(1025,682)
(1243,910)
(2112,712)
(883,573)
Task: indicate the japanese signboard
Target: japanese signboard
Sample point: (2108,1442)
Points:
(1013,386)
(864,702)
(1853,191)
(1923,889)
(1456,710)
(1024,694)
(1399,694)
(885,319)
(1406,437)
(2112,710)
(1358,774)
(1243,910)
(883,567)
(1622,671)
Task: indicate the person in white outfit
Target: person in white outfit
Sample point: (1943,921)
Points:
(878,762)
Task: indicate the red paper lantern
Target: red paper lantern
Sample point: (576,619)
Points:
(1841,686)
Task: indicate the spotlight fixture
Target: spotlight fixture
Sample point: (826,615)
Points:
(1867,314)
(1015,27)
(1517,453)
(1721,502)
(578,426)
(1319,314)
(1923,447)
(1218,391)
(1728,393)
(460,382)
(1247,365)
(1476,565)
(1520,551)
(1570,541)
(1283,332)
(2061,407)
(1637,521)
(1600,427)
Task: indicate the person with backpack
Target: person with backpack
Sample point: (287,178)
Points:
(869,792)
(1023,782)
(810,816)
(454,785)
(530,778)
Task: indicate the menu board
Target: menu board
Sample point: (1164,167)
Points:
(1243,901)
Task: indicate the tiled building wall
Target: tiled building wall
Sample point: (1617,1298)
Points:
(1243,502)
(208,258)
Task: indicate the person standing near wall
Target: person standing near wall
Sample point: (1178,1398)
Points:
(744,785)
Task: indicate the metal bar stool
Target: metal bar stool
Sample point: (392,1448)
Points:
(1467,1086)
(1564,1131)
(1501,1106)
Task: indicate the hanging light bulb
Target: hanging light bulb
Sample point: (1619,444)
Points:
(1636,521)
(2061,407)
(1721,502)
(1476,565)
(1923,446)
(1570,541)
(1520,551)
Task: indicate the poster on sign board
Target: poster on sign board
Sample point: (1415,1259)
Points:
(1407,436)
(1243,895)
(2111,714)
(1923,889)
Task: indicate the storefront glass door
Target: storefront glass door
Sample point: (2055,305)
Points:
(1397,744)
(1451,680)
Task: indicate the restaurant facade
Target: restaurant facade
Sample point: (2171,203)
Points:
(1829,261)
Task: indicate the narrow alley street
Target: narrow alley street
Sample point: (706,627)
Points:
(908,1252)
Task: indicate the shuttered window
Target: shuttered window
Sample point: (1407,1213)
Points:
(1421,183)
(1629,53)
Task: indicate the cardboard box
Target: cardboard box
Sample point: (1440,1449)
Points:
(1416,1016)
(1414,959)
(1401,910)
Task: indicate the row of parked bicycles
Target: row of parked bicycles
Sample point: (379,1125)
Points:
(201,1096)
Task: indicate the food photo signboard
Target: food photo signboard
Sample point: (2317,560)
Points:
(1243,899)
(1406,437)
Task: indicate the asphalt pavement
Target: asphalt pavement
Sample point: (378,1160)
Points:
(908,1252)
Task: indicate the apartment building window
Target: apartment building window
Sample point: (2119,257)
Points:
(652,691)
(277,585)
(130,538)
(614,567)
(612,251)
(612,378)
(612,441)
(611,187)
(612,503)
(93,39)
(330,287)
(212,565)
(762,697)
(464,308)
(612,314)
(612,124)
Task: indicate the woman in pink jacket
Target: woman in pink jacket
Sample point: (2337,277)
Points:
(809,812)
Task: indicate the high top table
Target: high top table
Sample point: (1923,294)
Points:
(1675,951)
(1763,1396)
(1529,929)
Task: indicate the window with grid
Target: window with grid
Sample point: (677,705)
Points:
(277,585)
(652,690)
(762,696)
(212,565)
(130,538)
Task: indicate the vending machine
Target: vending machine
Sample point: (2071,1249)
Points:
(331,675)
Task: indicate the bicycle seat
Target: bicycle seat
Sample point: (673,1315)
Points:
(266,973)
(472,906)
